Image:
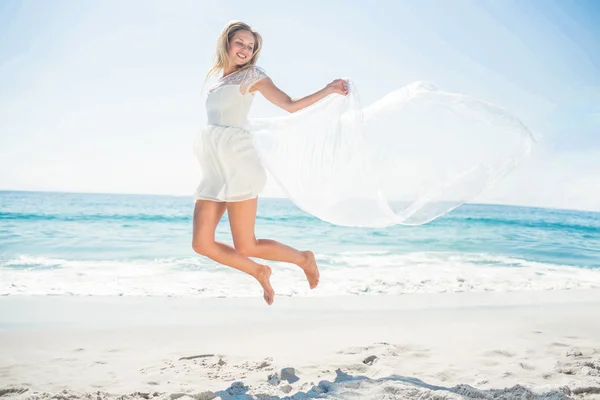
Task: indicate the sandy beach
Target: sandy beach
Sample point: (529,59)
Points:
(521,345)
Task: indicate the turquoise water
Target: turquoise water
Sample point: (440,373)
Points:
(94,244)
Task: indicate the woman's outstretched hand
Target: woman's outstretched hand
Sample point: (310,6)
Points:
(339,86)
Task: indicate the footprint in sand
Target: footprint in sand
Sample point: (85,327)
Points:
(195,357)
(381,347)
(420,354)
(65,359)
(444,376)
(574,353)
(499,353)
(12,391)
(360,368)
(527,367)
(489,363)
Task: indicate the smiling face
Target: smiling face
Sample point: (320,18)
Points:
(238,46)
(241,47)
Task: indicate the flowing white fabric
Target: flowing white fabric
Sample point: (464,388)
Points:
(409,158)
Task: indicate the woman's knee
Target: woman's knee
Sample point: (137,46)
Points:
(247,249)
(204,247)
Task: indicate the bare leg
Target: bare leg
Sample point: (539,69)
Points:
(207,215)
(242,217)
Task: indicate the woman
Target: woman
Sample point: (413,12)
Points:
(233,175)
(412,156)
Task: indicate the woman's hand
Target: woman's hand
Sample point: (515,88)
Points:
(339,86)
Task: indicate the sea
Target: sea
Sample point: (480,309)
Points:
(140,245)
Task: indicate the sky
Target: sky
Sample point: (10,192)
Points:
(106,96)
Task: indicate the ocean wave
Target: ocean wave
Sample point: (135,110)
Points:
(347,273)
(134,217)
(587,226)
(16,216)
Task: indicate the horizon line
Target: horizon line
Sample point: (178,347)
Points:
(274,198)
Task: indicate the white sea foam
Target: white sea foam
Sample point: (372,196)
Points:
(349,273)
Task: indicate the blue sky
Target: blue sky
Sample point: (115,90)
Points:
(106,96)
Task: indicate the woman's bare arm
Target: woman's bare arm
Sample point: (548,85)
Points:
(276,96)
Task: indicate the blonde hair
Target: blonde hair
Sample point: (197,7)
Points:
(221,57)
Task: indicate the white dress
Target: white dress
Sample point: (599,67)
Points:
(408,158)
(230,166)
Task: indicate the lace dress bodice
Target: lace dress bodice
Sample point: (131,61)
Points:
(229,100)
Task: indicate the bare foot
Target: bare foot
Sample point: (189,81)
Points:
(309,265)
(264,278)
